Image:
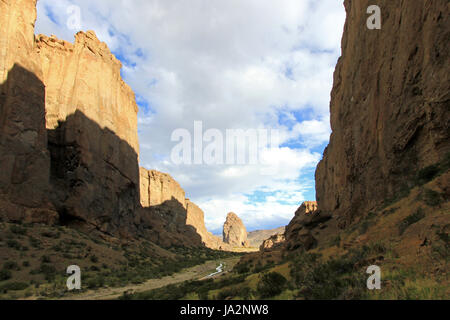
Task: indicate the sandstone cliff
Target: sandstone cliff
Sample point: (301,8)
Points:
(275,241)
(69,147)
(91,118)
(234,232)
(24,158)
(196,219)
(298,232)
(157,188)
(389,106)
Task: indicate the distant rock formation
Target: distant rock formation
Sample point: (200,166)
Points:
(256,238)
(196,219)
(389,106)
(275,241)
(234,232)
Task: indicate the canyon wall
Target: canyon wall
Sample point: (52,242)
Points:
(389,106)
(69,144)
(157,188)
(91,118)
(196,219)
(24,158)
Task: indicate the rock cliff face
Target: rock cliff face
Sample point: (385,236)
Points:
(273,242)
(91,118)
(24,158)
(196,219)
(234,232)
(390,106)
(69,147)
(298,233)
(158,188)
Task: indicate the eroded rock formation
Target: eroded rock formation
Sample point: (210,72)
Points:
(298,232)
(196,219)
(234,232)
(273,242)
(389,106)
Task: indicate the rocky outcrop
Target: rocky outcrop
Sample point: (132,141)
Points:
(299,233)
(389,106)
(234,232)
(256,238)
(157,188)
(275,241)
(196,219)
(24,157)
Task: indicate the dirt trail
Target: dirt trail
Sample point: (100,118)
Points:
(196,272)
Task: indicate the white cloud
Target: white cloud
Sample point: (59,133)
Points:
(231,64)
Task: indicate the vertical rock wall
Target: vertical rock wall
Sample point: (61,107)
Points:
(389,105)
(24,158)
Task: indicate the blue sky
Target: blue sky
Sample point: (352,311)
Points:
(232,65)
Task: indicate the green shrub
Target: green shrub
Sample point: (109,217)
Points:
(11,265)
(241,268)
(271,284)
(18,230)
(13,286)
(13,244)
(51,234)
(432,198)
(35,243)
(427,174)
(5,275)
(48,271)
(411,219)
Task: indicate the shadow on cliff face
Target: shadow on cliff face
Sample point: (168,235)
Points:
(170,216)
(78,174)
(24,158)
(95,178)
(94,175)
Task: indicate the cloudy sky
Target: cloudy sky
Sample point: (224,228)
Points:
(232,64)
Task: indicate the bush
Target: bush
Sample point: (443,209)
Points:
(427,174)
(45,259)
(13,244)
(241,268)
(271,284)
(48,271)
(411,219)
(18,230)
(432,198)
(5,275)
(13,286)
(11,265)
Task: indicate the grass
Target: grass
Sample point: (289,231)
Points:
(411,219)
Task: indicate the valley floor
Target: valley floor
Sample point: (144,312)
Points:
(193,273)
